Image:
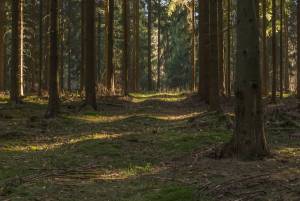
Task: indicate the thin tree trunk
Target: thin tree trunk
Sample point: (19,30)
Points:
(221,47)
(193,60)
(16,52)
(281,48)
(203,50)
(70,49)
(109,48)
(265,69)
(90,54)
(53,105)
(126,45)
(274,54)
(228,71)
(298,50)
(2,45)
(62,47)
(214,66)
(41,49)
(149,45)
(159,47)
(137,44)
(286,47)
(82,67)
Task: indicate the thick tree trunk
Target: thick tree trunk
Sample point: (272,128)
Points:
(62,47)
(41,49)
(286,49)
(203,51)
(249,141)
(125,48)
(110,43)
(53,105)
(214,65)
(221,47)
(16,52)
(265,66)
(149,45)
(2,45)
(90,54)
(274,52)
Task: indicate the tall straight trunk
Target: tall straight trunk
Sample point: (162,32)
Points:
(149,45)
(214,66)
(281,49)
(298,50)
(99,46)
(249,141)
(41,49)
(274,53)
(221,47)
(82,67)
(159,47)
(137,44)
(2,45)
(90,54)
(193,60)
(69,81)
(203,50)
(15,52)
(265,66)
(125,48)
(110,52)
(46,44)
(62,47)
(286,49)
(21,86)
(228,70)
(53,104)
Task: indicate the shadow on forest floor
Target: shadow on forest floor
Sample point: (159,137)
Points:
(146,147)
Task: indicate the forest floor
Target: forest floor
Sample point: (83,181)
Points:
(147,147)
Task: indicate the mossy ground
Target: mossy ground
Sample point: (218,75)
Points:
(146,147)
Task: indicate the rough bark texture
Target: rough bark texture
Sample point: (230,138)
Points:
(249,141)
(298,49)
(193,60)
(53,105)
(221,47)
(2,46)
(228,70)
(41,49)
(137,44)
(159,48)
(82,67)
(281,50)
(16,52)
(204,52)
(90,56)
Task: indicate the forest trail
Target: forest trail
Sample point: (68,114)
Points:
(147,147)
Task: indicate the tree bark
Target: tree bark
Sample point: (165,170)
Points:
(193,60)
(281,49)
(2,45)
(221,47)
(149,45)
(249,141)
(137,44)
(90,53)
(265,66)
(203,51)
(125,48)
(228,70)
(159,46)
(53,104)
(41,49)
(298,49)
(274,52)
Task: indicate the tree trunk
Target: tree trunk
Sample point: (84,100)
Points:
(203,50)
(137,44)
(193,60)
(69,81)
(149,45)
(274,54)
(109,48)
(265,69)
(2,45)
(221,47)
(62,47)
(125,48)
(228,70)
(249,141)
(159,47)
(287,62)
(281,49)
(82,67)
(298,50)
(41,49)
(16,52)
(214,66)
(90,56)
(53,105)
